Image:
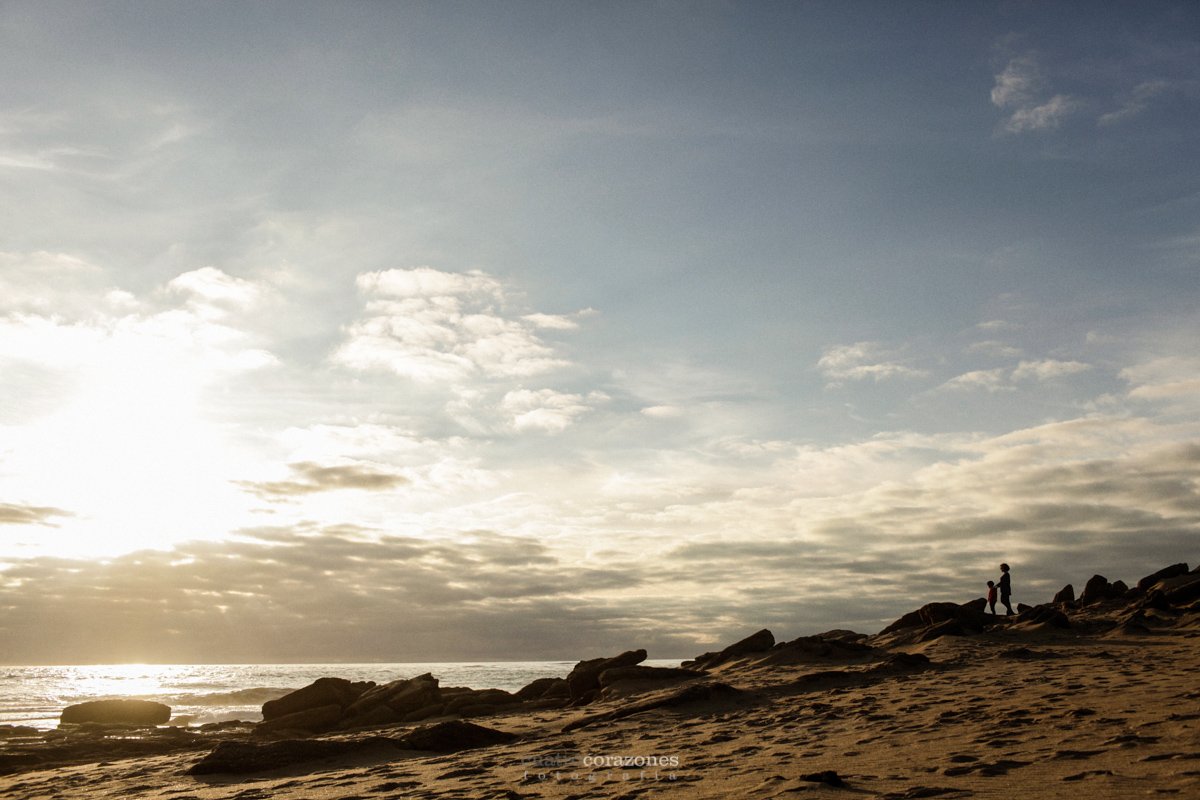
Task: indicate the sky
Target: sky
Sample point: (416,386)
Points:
(533,330)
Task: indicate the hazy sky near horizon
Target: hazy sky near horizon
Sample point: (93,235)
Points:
(346,331)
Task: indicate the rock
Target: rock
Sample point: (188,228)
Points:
(233,757)
(542,687)
(978,604)
(1118,589)
(321,692)
(452,736)
(584,680)
(969,618)
(17,731)
(1065,595)
(1183,590)
(638,673)
(1045,615)
(1096,590)
(1173,571)
(476,697)
(828,777)
(755,643)
(311,720)
(706,692)
(371,718)
(433,710)
(1023,607)
(402,696)
(134,712)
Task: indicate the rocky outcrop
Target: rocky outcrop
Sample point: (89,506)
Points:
(333,704)
(1173,571)
(755,643)
(1045,615)
(583,682)
(934,620)
(129,712)
(1065,595)
(1098,589)
(320,693)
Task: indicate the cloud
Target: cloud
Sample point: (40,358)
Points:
(546,409)
(1135,102)
(861,361)
(442,327)
(990,380)
(311,478)
(19,514)
(1048,369)
(1018,90)
(327,593)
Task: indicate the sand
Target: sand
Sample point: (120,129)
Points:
(1105,709)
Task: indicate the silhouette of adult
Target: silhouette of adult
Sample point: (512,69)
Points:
(1006,589)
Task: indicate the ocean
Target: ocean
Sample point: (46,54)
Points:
(201,693)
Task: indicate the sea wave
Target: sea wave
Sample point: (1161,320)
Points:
(255,696)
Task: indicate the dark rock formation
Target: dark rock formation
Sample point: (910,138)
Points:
(1045,615)
(639,673)
(452,736)
(543,688)
(695,693)
(1173,571)
(1097,590)
(966,619)
(310,720)
(133,712)
(584,680)
(239,758)
(1065,595)
(321,692)
(755,643)
(828,777)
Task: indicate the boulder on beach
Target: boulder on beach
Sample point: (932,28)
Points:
(129,712)
(934,620)
(1173,571)
(754,643)
(452,736)
(1065,595)
(583,682)
(321,692)
(1098,589)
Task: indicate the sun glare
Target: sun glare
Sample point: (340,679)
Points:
(133,452)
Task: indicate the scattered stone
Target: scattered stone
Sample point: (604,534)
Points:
(828,777)
(133,712)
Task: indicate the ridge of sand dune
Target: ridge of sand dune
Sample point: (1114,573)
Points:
(946,705)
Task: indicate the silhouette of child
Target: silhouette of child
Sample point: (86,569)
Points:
(991,597)
(1005,589)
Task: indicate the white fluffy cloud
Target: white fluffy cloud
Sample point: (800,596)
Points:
(1019,91)
(863,361)
(434,326)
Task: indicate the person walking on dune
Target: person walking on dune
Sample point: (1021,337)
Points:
(1006,589)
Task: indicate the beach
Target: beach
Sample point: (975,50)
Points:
(1093,696)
